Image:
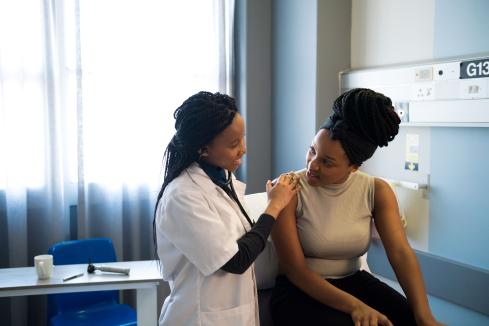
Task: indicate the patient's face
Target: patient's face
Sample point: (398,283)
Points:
(327,162)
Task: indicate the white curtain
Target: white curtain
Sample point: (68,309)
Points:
(87,93)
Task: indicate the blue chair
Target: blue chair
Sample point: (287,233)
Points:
(87,308)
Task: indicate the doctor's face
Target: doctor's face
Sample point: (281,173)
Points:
(327,162)
(227,148)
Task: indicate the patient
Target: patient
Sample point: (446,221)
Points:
(323,232)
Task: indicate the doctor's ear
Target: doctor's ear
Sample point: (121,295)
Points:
(203,153)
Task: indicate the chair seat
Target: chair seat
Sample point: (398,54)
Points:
(107,315)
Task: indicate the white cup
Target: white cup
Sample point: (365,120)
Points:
(44,266)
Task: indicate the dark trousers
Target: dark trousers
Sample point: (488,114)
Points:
(291,306)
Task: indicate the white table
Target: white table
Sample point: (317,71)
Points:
(144,277)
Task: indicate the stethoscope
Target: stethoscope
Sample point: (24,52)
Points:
(229,190)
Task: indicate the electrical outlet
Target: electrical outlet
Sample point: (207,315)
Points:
(473,88)
(423,91)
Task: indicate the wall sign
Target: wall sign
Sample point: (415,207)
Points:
(411,161)
(474,68)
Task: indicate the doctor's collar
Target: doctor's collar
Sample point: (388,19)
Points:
(217,174)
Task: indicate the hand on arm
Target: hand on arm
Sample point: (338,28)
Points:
(293,264)
(399,252)
(281,192)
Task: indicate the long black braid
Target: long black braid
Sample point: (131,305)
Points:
(197,122)
(362,120)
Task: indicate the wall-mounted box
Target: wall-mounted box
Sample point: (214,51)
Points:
(446,93)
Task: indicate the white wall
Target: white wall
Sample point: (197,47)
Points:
(386,32)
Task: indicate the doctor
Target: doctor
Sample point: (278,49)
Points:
(205,240)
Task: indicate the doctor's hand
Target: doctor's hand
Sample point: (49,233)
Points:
(280,192)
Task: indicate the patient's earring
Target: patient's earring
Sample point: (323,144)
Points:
(354,169)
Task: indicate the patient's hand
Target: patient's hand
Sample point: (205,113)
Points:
(365,315)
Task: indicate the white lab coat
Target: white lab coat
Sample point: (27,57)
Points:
(197,226)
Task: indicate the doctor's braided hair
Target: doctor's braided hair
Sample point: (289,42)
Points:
(198,121)
(362,120)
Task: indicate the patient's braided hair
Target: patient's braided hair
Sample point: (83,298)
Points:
(198,121)
(362,120)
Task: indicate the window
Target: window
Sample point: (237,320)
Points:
(89,87)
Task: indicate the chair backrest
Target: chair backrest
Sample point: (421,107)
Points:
(95,250)
(256,204)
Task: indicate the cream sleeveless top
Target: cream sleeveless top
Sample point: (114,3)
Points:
(334,224)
